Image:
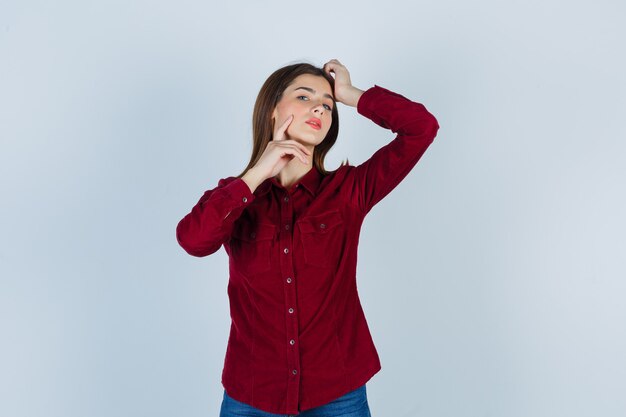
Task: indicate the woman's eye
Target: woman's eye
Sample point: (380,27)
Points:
(326,106)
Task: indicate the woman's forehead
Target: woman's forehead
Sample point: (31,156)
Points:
(316,82)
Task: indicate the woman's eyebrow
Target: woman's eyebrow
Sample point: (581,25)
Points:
(309,89)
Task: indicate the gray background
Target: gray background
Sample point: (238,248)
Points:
(492,277)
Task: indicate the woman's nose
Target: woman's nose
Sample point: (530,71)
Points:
(319,108)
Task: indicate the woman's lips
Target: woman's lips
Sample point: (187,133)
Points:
(314,123)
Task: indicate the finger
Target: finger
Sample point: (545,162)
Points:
(281,130)
(297,144)
(296,147)
(292,144)
(295,152)
(279,134)
(332,64)
(304,149)
(334,69)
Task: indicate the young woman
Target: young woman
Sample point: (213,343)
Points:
(299,342)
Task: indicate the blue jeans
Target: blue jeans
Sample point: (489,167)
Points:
(353,404)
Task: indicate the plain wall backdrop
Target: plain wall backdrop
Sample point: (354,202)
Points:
(492,277)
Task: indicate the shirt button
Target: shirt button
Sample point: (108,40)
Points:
(289,280)
(286,250)
(294,372)
(291,311)
(286,198)
(322,226)
(286,227)
(292,342)
(252,235)
(245,199)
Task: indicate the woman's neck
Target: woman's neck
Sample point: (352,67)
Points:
(292,172)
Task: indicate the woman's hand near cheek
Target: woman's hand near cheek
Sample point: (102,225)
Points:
(344,92)
(276,155)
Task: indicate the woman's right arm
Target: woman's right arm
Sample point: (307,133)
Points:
(210,222)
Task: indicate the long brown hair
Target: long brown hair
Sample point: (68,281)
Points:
(269,95)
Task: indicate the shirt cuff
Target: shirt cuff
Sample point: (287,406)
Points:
(239,191)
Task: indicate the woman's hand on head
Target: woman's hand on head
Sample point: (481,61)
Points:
(280,151)
(344,92)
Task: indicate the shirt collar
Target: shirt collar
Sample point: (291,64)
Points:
(310,182)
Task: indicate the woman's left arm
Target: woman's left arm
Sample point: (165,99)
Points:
(415,128)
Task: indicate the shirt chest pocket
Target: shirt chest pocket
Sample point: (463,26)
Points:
(322,238)
(251,247)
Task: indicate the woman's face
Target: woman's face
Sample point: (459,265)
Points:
(310,99)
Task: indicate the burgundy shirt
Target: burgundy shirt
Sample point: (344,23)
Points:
(298,336)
